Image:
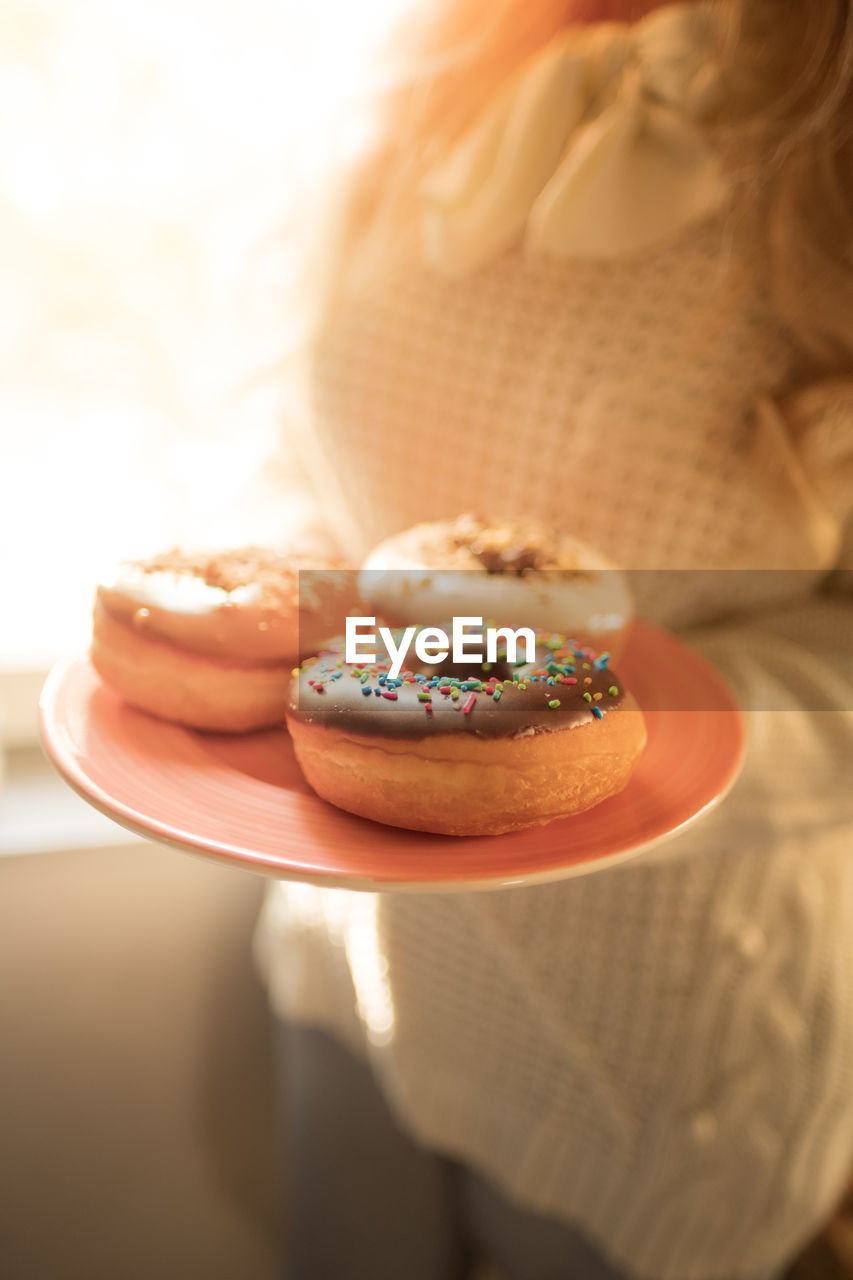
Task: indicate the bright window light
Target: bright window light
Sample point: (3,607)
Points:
(146,152)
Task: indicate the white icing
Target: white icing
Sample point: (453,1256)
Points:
(182,593)
(397,583)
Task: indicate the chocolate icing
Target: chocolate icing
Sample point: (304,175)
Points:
(329,691)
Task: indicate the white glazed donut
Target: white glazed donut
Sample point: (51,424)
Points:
(209,640)
(513,573)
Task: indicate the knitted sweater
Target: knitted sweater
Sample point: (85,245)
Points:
(660,1053)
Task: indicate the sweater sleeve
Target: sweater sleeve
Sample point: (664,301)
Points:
(795,660)
(802,456)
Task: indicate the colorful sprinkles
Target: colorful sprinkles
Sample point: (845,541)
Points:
(556,671)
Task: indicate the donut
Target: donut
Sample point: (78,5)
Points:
(514,572)
(465,750)
(208,640)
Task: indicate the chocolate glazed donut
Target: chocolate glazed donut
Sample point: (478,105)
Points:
(470,750)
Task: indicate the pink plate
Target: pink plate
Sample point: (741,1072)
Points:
(244,801)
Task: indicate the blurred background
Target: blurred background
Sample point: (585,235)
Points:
(148,155)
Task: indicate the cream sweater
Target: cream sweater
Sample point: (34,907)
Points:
(661,1053)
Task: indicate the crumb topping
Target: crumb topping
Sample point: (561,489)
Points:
(273,574)
(509,547)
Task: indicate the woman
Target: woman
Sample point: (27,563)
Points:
(599,271)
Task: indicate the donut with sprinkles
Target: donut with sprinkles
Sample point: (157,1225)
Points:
(466,749)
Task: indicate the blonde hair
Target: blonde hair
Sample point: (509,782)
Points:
(791,70)
(787,72)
